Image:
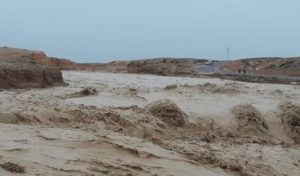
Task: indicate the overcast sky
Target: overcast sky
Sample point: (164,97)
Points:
(103,30)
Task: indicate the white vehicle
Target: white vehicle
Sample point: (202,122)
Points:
(210,62)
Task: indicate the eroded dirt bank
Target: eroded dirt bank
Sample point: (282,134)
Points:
(121,124)
(27,69)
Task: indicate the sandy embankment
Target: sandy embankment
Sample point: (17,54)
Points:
(214,127)
(21,68)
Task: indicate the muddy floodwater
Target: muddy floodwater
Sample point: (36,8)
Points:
(131,124)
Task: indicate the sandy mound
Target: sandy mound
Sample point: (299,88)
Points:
(249,119)
(168,112)
(290,117)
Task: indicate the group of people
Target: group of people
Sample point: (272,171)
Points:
(242,71)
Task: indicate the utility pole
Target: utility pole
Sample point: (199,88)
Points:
(228,53)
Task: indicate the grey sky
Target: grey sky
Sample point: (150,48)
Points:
(102,30)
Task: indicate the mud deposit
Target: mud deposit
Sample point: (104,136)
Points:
(127,124)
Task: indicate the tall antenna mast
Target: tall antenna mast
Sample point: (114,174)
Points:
(228,53)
